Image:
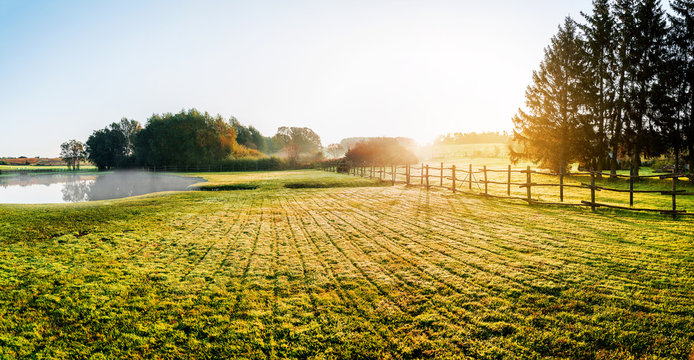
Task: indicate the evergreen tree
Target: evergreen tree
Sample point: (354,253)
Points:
(547,131)
(648,63)
(669,104)
(682,42)
(599,79)
(623,12)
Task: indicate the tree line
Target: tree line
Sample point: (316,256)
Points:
(187,138)
(488,137)
(613,89)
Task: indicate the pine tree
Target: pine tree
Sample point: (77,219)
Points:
(648,62)
(599,78)
(623,12)
(547,131)
(682,40)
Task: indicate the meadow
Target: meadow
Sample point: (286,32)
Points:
(44,168)
(464,155)
(310,264)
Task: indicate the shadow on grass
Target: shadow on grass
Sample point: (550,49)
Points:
(331,184)
(228,187)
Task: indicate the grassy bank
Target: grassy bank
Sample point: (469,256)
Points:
(43,167)
(325,269)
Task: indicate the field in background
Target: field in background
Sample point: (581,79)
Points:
(304,267)
(491,154)
(462,157)
(43,167)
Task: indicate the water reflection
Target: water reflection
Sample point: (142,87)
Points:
(32,189)
(76,190)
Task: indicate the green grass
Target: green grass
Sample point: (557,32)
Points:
(571,195)
(274,180)
(340,272)
(461,156)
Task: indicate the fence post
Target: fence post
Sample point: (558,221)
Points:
(407,174)
(421,174)
(592,190)
(484,168)
(393,169)
(427,175)
(508,184)
(453,176)
(561,183)
(528,181)
(469,178)
(441,175)
(674,196)
(631,186)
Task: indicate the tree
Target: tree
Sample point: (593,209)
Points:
(648,63)
(248,136)
(474,138)
(306,139)
(291,151)
(335,150)
(682,50)
(186,138)
(72,152)
(598,80)
(380,152)
(129,129)
(243,134)
(625,31)
(547,131)
(108,147)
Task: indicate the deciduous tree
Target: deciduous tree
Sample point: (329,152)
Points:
(72,152)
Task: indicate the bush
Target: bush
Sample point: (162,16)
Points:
(380,152)
(248,164)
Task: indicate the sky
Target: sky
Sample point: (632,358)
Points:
(343,68)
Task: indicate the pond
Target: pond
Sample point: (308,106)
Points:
(67,188)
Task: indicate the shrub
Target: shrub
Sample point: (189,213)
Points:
(380,152)
(249,164)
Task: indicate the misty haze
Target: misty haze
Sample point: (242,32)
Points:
(67,188)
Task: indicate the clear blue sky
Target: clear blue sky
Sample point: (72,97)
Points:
(343,68)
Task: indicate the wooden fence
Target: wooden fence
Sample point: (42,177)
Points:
(463,179)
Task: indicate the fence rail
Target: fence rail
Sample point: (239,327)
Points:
(463,179)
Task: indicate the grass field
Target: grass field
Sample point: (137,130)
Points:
(317,265)
(459,155)
(43,167)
